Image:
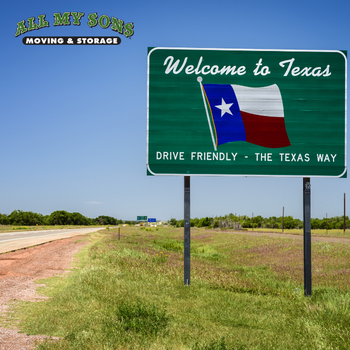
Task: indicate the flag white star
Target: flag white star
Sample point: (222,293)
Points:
(225,107)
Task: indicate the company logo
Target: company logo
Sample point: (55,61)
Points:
(68,18)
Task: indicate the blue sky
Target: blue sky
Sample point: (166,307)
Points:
(74,118)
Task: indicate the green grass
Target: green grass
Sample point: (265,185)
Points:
(246,293)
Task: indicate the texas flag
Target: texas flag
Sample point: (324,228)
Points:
(241,113)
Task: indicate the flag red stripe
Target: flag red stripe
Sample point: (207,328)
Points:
(265,131)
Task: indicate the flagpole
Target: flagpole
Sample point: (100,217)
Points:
(199,79)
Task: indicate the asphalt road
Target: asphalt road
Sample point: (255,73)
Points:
(10,241)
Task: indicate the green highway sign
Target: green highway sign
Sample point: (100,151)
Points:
(142,218)
(230,112)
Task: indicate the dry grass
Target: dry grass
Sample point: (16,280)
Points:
(317,232)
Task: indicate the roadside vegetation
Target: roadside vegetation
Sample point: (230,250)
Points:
(243,221)
(246,292)
(229,221)
(58,217)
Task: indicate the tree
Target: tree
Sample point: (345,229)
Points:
(246,223)
(258,220)
(105,220)
(58,217)
(347,224)
(216,223)
(204,222)
(315,224)
(3,219)
(19,217)
(289,222)
(194,222)
(173,222)
(78,219)
(180,223)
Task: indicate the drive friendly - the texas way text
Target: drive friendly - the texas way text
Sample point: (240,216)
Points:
(230,156)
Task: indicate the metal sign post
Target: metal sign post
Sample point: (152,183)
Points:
(344,215)
(307,235)
(187,232)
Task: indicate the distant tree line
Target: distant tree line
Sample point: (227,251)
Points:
(59,217)
(244,221)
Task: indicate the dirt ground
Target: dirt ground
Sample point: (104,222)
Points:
(19,270)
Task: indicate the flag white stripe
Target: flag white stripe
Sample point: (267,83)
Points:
(265,101)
